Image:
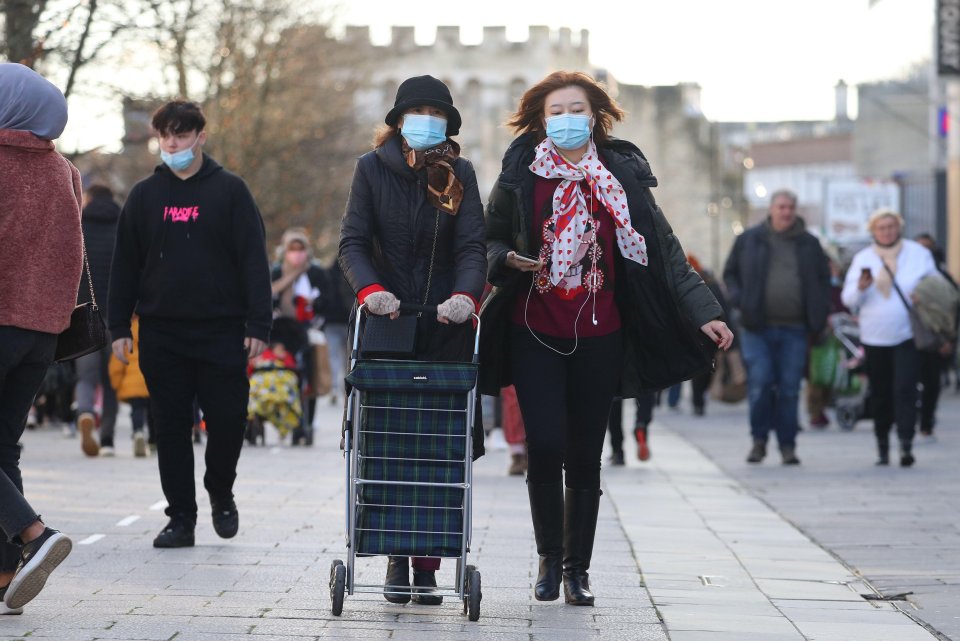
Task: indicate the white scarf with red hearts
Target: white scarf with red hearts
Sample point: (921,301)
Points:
(570,212)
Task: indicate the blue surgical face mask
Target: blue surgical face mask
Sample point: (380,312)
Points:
(179,160)
(569,131)
(422,131)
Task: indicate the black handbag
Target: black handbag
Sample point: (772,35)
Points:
(398,337)
(87,332)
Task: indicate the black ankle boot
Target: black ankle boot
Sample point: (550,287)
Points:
(546,509)
(425,579)
(580,526)
(883,451)
(398,577)
(906,456)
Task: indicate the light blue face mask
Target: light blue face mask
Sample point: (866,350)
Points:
(569,131)
(179,160)
(422,131)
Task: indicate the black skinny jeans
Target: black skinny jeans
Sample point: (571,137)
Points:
(645,403)
(181,363)
(25,356)
(565,402)
(893,373)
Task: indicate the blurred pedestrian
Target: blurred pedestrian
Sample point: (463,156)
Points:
(128,384)
(191,261)
(571,221)
(41,257)
(878,276)
(413,232)
(100,216)
(336,315)
(777,276)
(298,284)
(933,365)
(818,395)
(513,432)
(641,427)
(700,383)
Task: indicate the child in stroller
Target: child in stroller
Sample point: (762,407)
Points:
(850,389)
(276,382)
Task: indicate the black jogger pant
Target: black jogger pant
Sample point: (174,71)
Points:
(893,373)
(184,362)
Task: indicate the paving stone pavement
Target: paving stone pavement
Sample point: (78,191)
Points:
(897,528)
(684,552)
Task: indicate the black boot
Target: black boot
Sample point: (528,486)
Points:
(580,520)
(546,509)
(427,580)
(906,455)
(883,449)
(758,452)
(398,577)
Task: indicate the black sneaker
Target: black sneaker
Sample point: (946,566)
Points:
(177,534)
(38,559)
(226,519)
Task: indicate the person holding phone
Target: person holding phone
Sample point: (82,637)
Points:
(413,232)
(593,299)
(870,290)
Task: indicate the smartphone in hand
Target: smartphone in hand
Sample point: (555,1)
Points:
(525,258)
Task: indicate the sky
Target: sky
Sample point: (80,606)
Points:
(756,60)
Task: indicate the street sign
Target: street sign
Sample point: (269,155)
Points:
(948,37)
(848,203)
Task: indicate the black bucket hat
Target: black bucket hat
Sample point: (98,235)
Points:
(424,90)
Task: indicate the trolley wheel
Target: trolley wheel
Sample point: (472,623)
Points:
(846,418)
(475,596)
(338,581)
(466,587)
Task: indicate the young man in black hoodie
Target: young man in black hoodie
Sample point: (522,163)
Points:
(191,261)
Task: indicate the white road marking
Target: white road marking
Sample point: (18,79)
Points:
(159,505)
(93,538)
(130,520)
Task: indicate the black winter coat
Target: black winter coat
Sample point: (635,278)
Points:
(662,306)
(387,238)
(99,222)
(745,276)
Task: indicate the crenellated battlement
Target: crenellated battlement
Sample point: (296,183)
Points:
(539,38)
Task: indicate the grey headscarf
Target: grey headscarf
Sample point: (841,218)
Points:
(30,102)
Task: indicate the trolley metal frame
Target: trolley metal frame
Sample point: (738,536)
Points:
(342,578)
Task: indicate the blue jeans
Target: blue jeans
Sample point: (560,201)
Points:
(775,358)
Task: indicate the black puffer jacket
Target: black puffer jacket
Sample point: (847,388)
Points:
(745,276)
(387,238)
(662,306)
(99,222)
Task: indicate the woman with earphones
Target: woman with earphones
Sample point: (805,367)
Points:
(593,299)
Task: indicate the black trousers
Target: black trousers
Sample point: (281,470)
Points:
(25,356)
(931,366)
(565,402)
(893,373)
(181,362)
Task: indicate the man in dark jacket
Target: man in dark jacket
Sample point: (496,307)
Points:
(778,277)
(99,221)
(191,260)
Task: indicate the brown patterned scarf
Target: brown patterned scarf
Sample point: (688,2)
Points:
(444,189)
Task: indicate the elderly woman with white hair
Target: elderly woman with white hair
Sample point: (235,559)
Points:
(877,287)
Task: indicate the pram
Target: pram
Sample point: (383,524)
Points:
(849,386)
(409,467)
(277,382)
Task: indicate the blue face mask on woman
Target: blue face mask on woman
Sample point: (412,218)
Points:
(179,160)
(569,131)
(422,131)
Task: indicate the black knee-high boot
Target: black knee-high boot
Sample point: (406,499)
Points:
(546,509)
(580,526)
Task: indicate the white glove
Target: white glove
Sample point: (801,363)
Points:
(455,309)
(381,303)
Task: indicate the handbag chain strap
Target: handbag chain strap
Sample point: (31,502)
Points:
(433,254)
(86,264)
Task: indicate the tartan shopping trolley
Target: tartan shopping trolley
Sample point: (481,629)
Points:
(409,451)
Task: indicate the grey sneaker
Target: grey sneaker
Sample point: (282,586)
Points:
(38,559)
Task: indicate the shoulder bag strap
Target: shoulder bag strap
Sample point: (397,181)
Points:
(893,280)
(86,264)
(433,255)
